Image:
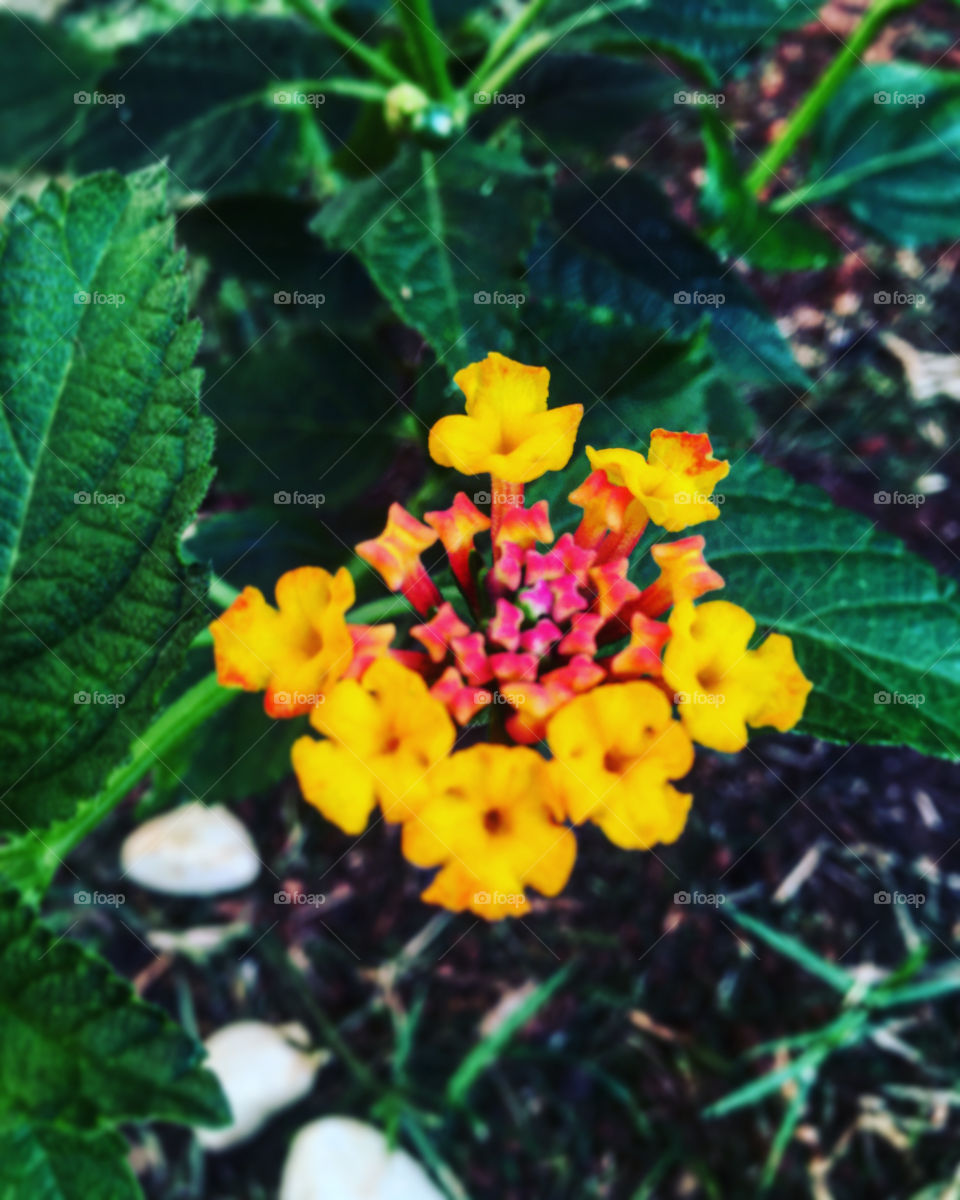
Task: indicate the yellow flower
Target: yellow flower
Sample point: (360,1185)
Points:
(721,686)
(384,735)
(615,750)
(673,483)
(492,825)
(294,652)
(508,430)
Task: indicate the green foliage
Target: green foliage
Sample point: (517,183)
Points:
(872,625)
(49,1162)
(613,247)
(106,458)
(80,1054)
(889,149)
(42,67)
(714,37)
(205,95)
(440,231)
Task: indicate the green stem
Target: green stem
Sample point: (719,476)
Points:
(536,44)
(378,63)
(33,860)
(505,41)
(805,115)
(421,28)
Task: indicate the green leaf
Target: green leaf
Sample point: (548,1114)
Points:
(873,626)
(305,411)
(443,235)
(203,95)
(615,247)
(582,104)
(889,149)
(715,37)
(52,1162)
(104,460)
(81,1051)
(42,68)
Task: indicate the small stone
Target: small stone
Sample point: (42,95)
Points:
(262,1070)
(194,850)
(339,1158)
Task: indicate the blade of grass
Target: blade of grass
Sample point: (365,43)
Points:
(793,948)
(486,1052)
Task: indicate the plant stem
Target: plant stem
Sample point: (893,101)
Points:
(429,48)
(805,115)
(377,62)
(33,860)
(505,41)
(542,40)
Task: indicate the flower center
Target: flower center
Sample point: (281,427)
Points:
(493,821)
(618,762)
(710,678)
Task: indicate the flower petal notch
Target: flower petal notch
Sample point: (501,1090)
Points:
(543,685)
(293,652)
(673,484)
(721,686)
(508,430)
(383,736)
(616,751)
(493,825)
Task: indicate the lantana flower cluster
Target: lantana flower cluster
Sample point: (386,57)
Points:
(543,687)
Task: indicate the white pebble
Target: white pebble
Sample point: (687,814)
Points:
(338,1158)
(194,850)
(262,1069)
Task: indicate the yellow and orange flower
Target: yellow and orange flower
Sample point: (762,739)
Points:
(508,430)
(492,823)
(383,734)
(294,652)
(722,687)
(616,751)
(550,642)
(673,484)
